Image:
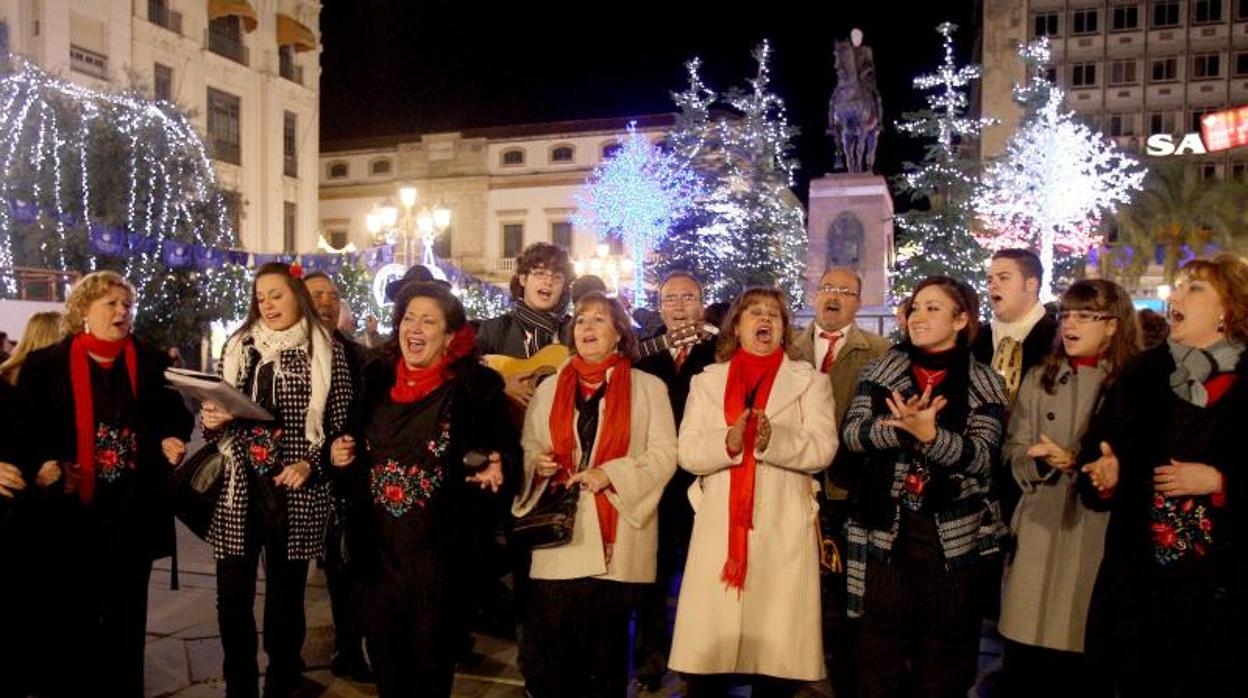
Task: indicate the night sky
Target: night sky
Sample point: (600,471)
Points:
(407,66)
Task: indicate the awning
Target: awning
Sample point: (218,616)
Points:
(233,8)
(291,33)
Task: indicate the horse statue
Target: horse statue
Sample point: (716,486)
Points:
(855,112)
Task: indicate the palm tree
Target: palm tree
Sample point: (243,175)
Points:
(1178,208)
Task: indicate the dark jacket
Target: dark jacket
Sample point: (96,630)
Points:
(8,452)
(1147,425)
(1036,346)
(663,366)
(49,432)
(479,421)
(505,335)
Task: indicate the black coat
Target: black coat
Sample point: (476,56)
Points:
(9,453)
(505,335)
(1138,419)
(49,432)
(479,421)
(1036,346)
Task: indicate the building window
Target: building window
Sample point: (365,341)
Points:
(1165,69)
(1083,75)
(224,135)
(234,210)
(1195,115)
(1165,13)
(561,235)
(88,62)
(162,82)
(1124,17)
(1206,66)
(338,239)
(1123,73)
(1241,11)
(1121,125)
(1206,11)
(1208,170)
(1045,24)
(513,239)
(1161,122)
(290,144)
(379,167)
(609,150)
(563,153)
(225,38)
(286,66)
(512,157)
(158,13)
(1241,64)
(1050,74)
(289,219)
(1238,169)
(1085,22)
(339,170)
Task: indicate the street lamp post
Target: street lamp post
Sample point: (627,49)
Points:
(387,219)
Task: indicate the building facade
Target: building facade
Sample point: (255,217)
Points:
(248,72)
(1133,68)
(505,187)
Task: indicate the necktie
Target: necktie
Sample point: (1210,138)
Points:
(681,356)
(1008,361)
(830,357)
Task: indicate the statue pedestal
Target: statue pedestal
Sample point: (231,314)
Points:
(850,224)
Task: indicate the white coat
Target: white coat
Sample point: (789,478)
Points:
(773,625)
(637,482)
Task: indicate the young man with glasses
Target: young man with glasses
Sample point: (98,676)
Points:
(680,305)
(836,346)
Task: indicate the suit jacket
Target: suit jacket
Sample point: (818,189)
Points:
(860,348)
(1036,346)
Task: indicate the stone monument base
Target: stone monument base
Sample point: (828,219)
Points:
(850,224)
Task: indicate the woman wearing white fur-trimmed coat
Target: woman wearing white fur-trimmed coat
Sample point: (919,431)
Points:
(608,428)
(749,602)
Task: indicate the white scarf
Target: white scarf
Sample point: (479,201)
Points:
(1019,329)
(271,344)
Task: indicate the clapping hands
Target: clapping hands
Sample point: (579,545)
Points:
(915,415)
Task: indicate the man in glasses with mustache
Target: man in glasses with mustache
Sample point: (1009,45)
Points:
(835,345)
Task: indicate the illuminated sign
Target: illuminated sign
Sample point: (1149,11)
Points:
(1223,130)
(1162,144)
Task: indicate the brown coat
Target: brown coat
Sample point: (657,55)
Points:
(860,348)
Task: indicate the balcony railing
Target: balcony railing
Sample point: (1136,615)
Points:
(158,13)
(287,69)
(228,46)
(290,166)
(88,62)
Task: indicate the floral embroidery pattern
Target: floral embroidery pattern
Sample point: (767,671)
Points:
(397,488)
(1182,528)
(262,448)
(115,451)
(912,487)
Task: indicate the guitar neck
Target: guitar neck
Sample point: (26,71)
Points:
(654,345)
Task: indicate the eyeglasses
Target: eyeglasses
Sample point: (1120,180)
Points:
(681,299)
(546,275)
(1082,317)
(838,291)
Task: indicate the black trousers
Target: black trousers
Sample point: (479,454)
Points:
(839,630)
(1038,672)
(343,597)
(921,616)
(576,642)
(284,621)
(721,685)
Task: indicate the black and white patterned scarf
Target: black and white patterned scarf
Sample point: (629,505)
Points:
(540,328)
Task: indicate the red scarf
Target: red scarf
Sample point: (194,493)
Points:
(614,430)
(1078,362)
(412,384)
(746,372)
(84,402)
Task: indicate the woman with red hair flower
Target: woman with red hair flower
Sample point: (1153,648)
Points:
(407,488)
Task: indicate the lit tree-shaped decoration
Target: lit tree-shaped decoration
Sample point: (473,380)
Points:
(637,196)
(937,239)
(1056,180)
(75,160)
(767,221)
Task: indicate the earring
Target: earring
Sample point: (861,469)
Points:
(1222,324)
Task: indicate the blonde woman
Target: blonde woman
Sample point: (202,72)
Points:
(42,329)
(101,433)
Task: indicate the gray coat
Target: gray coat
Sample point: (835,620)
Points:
(1048,581)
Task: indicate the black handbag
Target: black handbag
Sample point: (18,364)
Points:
(196,485)
(549,524)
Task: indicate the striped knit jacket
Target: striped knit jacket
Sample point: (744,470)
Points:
(969,522)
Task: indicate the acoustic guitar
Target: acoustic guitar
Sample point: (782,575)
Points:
(546,361)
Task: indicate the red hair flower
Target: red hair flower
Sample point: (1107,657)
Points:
(296,271)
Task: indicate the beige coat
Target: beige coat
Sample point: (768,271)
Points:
(1060,541)
(637,482)
(772,626)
